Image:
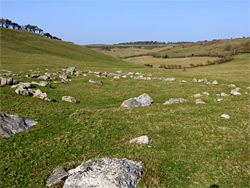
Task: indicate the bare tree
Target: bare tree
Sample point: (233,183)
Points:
(2,22)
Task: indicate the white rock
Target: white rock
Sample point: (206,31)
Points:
(140,140)
(215,82)
(231,85)
(205,93)
(219,100)
(69,99)
(199,101)
(226,116)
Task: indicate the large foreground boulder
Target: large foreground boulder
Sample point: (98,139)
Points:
(57,175)
(12,124)
(142,100)
(105,172)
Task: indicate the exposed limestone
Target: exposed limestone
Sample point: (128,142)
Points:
(56,176)
(205,93)
(175,100)
(42,83)
(194,80)
(95,81)
(140,140)
(12,124)
(142,100)
(70,70)
(105,173)
(226,116)
(69,99)
(199,101)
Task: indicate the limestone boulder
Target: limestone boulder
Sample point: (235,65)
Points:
(12,124)
(142,100)
(69,99)
(105,173)
(56,176)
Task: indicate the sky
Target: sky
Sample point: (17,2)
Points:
(112,22)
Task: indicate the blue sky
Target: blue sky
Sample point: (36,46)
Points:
(109,22)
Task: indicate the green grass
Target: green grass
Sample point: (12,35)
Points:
(192,146)
(156,62)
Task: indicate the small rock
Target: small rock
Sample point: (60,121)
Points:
(22,91)
(194,80)
(4,81)
(198,95)
(117,77)
(175,100)
(95,81)
(205,93)
(45,77)
(223,94)
(124,76)
(226,116)
(142,100)
(43,83)
(56,176)
(140,140)
(215,82)
(235,92)
(219,100)
(69,99)
(27,85)
(231,85)
(78,73)
(199,101)
(70,70)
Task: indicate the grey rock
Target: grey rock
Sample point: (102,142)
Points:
(27,85)
(231,85)
(78,73)
(223,94)
(43,83)
(205,93)
(16,82)
(140,140)
(56,176)
(235,92)
(117,77)
(38,93)
(34,75)
(95,81)
(175,100)
(12,124)
(22,91)
(142,100)
(219,99)
(105,173)
(70,70)
(69,99)
(199,101)
(45,77)
(4,81)
(226,116)
(215,82)
(194,80)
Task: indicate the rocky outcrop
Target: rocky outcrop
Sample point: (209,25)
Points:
(175,100)
(56,176)
(12,124)
(142,100)
(69,99)
(105,172)
(140,140)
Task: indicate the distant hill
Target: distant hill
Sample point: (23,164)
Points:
(34,50)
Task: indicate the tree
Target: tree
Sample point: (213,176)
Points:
(8,23)
(48,35)
(14,25)
(2,22)
(40,31)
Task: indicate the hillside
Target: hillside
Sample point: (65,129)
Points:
(191,144)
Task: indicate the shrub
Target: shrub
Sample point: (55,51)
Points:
(162,66)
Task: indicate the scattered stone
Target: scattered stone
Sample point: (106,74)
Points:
(194,80)
(205,93)
(118,72)
(140,140)
(56,176)
(69,99)
(70,70)
(95,81)
(22,91)
(117,77)
(142,100)
(235,92)
(215,82)
(27,85)
(248,88)
(3,81)
(85,74)
(45,77)
(12,124)
(16,82)
(34,75)
(223,94)
(78,73)
(219,100)
(43,83)
(199,101)
(105,172)
(97,73)
(50,74)
(226,116)
(183,81)
(124,76)
(64,77)
(38,93)
(198,95)
(231,85)
(167,79)
(175,100)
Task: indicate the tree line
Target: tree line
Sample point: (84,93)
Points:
(30,28)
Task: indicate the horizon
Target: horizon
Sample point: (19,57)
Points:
(114,22)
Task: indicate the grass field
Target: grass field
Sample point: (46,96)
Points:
(192,146)
(156,62)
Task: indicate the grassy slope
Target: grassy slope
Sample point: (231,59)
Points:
(191,145)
